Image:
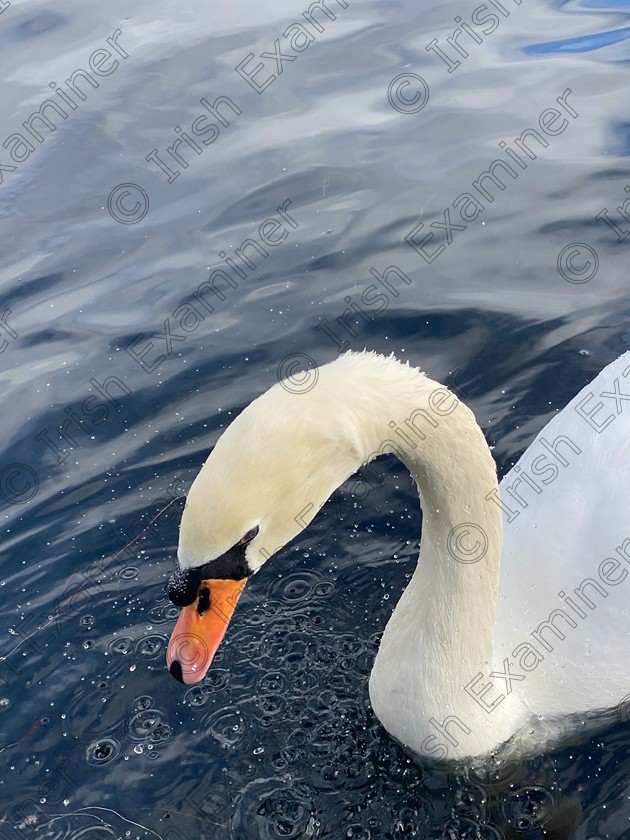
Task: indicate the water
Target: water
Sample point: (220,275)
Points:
(519,297)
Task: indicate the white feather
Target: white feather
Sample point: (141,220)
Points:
(476,597)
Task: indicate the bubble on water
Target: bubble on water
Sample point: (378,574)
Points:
(102,752)
(149,725)
(150,647)
(121,644)
(142,702)
(227,726)
(529,808)
(272,808)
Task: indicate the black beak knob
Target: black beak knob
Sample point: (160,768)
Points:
(183,587)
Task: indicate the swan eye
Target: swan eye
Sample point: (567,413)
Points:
(249,536)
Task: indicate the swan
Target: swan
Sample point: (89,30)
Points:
(512,632)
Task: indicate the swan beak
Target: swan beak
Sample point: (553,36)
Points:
(200,629)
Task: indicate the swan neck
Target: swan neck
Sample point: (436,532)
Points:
(451,599)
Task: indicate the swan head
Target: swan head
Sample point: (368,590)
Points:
(269,474)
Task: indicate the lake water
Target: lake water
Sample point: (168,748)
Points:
(336,184)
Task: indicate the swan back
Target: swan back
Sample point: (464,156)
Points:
(562,618)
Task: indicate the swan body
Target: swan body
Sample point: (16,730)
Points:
(515,620)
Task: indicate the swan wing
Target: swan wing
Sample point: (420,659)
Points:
(563,617)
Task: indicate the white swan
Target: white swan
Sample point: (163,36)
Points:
(516,618)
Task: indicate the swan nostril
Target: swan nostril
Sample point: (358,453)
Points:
(204,600)
(176,671)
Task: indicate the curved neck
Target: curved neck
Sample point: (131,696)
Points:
(280,460)
(447,612)
(454,588)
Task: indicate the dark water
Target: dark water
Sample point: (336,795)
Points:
(114,389)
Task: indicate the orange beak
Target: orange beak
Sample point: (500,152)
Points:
(200,629)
